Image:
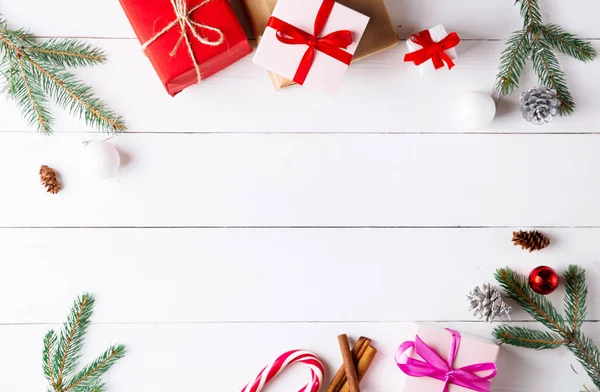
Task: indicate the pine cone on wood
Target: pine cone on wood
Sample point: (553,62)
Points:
(487,303)
(539,105)
(49,179)
(531,240)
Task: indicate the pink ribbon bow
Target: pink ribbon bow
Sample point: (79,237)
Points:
(434,366)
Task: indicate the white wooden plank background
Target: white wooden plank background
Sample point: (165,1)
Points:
(232,193)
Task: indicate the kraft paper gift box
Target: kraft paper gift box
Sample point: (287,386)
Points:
(284,48)
(380,34)
(438,33)
(471,351)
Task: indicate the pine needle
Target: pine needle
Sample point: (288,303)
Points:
(567,334)
(536,41)
(61,353)
(35,71)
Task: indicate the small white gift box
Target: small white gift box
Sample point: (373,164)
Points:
(325,72)
(438,33)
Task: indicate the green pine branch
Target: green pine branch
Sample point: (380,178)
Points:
(517,288)
(536,41)
(549,73)
(528,338)
(61,353)
(72,336)
(35,71)
(563,332)
(568,43)
(512,62)
(88,378)
(575,297)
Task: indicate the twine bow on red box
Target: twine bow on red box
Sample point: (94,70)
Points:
(331,44)
(431,50)
(183,18)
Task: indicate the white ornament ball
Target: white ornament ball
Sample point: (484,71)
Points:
(100,159)
(475,110)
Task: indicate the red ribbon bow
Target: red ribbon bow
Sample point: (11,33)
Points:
(432,50)
(331,44)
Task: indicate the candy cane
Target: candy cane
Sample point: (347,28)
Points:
(274,368)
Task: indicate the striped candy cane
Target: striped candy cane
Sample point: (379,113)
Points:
(295,356)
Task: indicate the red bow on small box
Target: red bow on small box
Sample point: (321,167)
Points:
(431,50)
(331,44)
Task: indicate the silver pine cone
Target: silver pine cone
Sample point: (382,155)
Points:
(539,105)
(486,303)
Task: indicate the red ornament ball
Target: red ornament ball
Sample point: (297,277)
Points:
(543,280)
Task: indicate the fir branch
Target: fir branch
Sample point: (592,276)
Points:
(49,348)
(586,351)
(575,297)
(538,307)
(549,73)
(88,377)
(537,40)
(530,11)
(62,352)
(98,387)
(528,338)
(78,98)
(568,43)
(582,347)
(72,337)
(67,53)
(30,97)
(38,69)
(512,62)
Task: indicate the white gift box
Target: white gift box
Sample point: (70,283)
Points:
(326,73)
(438,33)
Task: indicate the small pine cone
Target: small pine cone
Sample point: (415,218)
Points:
(487,303)
(532,240)
(539,105)
(49,179)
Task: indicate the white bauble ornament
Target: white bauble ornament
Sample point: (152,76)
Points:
(100,159)
(475,110)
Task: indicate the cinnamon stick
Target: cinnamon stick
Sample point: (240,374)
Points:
(349,368)
(357,352)
(363,366)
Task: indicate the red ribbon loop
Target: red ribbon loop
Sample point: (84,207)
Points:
(332,44)
(431,50)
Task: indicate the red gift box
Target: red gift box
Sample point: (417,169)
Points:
(212,38)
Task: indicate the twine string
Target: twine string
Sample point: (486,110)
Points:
(184,20)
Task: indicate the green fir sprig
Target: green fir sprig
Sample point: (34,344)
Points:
(564,331)
(535,42)
(61,353)
(34,72)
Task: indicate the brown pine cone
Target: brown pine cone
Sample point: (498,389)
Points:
(49,179)
(532,240)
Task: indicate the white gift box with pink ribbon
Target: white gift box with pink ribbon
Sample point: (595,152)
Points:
(291,33)
(447,361)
